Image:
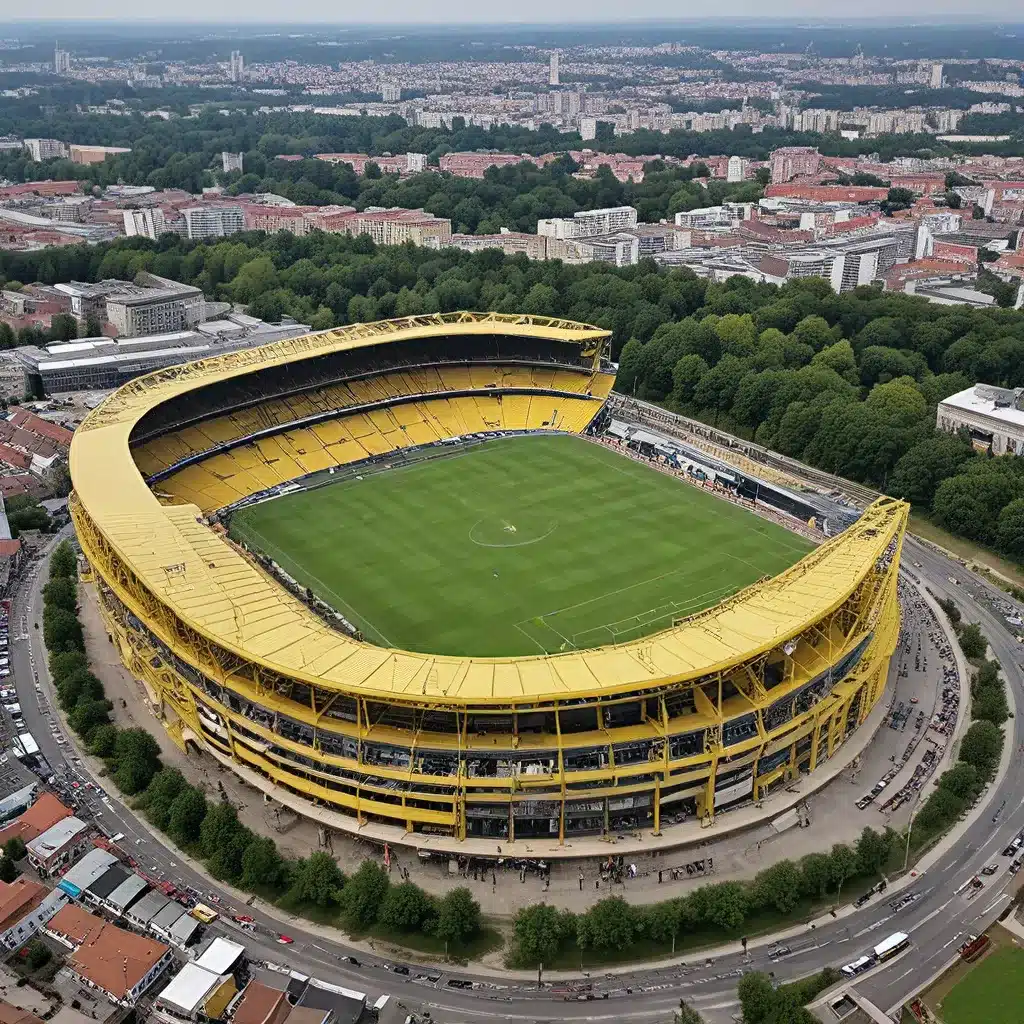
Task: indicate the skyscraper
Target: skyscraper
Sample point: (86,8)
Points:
(936,78)
(553,68)
(237,66)
(61,61)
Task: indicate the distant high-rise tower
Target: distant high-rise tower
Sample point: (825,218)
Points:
(61,61)
(237,66)
(390,92)
(936,80)
(553,69)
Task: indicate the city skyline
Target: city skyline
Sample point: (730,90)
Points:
(452,13)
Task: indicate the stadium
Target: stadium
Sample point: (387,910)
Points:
(400,576)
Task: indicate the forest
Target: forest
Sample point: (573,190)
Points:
(848,383)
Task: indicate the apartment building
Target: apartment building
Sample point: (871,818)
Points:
(147,223)
(789,162)
(93,154)
(213,221)
(46,149)
(168,307)
(589,223)
(398,226)
(993,416)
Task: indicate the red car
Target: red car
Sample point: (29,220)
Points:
(285,940)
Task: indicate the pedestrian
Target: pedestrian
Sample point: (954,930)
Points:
(597,883)
(581,881)
(659,877)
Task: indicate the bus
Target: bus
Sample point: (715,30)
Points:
(860,964)
(896,943)
(201,912)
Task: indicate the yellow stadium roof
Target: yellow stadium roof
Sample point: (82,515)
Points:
(219,593)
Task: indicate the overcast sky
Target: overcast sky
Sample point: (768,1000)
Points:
(473,11)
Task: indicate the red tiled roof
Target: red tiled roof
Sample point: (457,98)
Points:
(46,811)
(115,960)
(18,899)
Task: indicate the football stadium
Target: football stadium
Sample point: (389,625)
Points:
(407,575)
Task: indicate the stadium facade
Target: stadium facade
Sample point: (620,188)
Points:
(714,712)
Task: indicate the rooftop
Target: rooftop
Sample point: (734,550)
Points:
(54,839)
(81,875)
(187,990)
(19,898)
(42,815)
(75,923)
(260,1004)
(988,400)
(115,960)
(221,955)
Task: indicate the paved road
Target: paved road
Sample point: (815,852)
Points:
(936,921)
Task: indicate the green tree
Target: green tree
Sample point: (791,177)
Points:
(63,561)
(1010,530)
(724,904)
(262,864)
(8,870)
(458,916)
(610,924)
(318,879)
(686,1014)
(363,894)
(14,848)
(757,997)
(88,715)
(843,864)
(63,593)
(406,907)
(815,874)
(872,850)
(62,631)
(981,747)
(185,818)
(65,663)
(39,954)
(103,740)
(972,641)
(963,780)
(778,886)
(538,934)
(160,795)
(137,755)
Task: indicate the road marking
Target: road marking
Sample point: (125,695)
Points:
(995,903)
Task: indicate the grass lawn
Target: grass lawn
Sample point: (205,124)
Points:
(519,546)
(991,993)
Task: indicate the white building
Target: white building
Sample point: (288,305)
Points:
(237,69)
(61,61)
(589,223)
(588,128)
(936,76)
(46,149)
(993,416)
(148,223)
(553,68)
(213,221)
(390,92)
(231,161)
(737,169)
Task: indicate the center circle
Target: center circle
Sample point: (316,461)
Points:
(515,530)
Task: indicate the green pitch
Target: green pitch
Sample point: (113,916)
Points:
(523,545)
(992,993)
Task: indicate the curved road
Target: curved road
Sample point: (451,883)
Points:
(937,920)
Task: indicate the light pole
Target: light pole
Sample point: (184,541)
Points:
(910,830)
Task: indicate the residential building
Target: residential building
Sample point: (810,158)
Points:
(46,149)
(397,226)
(588,128)
(115,962)
(35,820)
(237,68)
(553,68)
(148,222)
(231,162)
(25,906)
(789,162)
(10,1014)
(28,442)
(259,1004)
(213,220)
(708,218)
(935,78)
(58,846)
(61,61)
(621,249)
(737,169)
(159,306)
(390,92)
(536,247)
(589,223)
(993,416)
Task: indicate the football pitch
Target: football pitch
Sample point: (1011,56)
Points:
(520,545)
